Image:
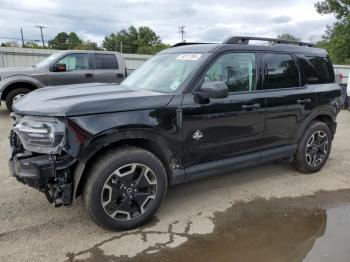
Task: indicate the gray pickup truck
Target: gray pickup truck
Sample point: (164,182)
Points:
(62,68)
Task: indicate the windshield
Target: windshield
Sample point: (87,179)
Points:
(164,73)
(48,60)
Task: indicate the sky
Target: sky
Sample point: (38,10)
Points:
(204,21)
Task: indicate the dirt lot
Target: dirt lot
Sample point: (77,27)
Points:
(266,213)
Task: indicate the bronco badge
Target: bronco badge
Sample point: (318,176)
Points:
(197,135)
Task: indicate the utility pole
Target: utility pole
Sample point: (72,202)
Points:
(182,32)
(311,38)
(121,47)
(22,38)
(41,31)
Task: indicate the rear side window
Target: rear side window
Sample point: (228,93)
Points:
(308,72)
(323,68)
(281,71)
(106,61)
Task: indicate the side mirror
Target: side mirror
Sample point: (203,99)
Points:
(217,89)
(58,68)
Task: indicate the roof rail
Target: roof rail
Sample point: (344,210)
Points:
(245,41)
(189,43)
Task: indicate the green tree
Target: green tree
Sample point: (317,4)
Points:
(10,44)
(31,44)
(288,37)
(142,40)
(60,41)
(88,45)
(73,40)
(151,50)
(337,37)
(340,8)
(337,42)
(64,41)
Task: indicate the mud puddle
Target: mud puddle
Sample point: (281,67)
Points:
(312,228)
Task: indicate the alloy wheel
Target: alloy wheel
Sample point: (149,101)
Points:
(129,191)
(317,148)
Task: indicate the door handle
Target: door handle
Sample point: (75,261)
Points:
(304,101)
(88,75)
(251,107)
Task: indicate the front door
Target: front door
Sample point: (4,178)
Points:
(78,70)
(230,126)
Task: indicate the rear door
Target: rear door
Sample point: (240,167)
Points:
(289,100)
(78,70)
(228,126)
(107,68)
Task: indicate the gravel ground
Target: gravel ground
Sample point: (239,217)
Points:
(33,230)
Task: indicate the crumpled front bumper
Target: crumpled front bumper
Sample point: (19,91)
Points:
(35,171)
(48,173)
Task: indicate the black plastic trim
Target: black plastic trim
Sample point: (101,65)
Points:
(234,163)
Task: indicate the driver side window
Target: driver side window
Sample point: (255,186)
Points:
(236,70)
(76,62)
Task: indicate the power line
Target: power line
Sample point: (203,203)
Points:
(19,39)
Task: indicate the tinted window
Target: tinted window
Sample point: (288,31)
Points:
(308,72)
(76,62)
(281,71)
(324,68)
(237,70)
(105,61)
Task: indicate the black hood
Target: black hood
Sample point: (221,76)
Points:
(85,99)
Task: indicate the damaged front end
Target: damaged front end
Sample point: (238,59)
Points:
(38,159)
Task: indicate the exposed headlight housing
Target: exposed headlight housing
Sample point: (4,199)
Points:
(41,135)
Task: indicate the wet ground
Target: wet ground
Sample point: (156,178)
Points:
(267,213)
(311,228)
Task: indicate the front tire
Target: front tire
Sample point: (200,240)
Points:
(14,96)
(314,148)
(125,188)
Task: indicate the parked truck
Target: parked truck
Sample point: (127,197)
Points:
(62,68)
(342,73)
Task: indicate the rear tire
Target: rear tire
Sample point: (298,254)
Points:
(14,96)
(313,148)
(125,188)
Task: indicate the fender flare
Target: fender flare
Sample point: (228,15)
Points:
(321,111)
(111,137)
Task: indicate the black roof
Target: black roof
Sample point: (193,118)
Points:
(233,44)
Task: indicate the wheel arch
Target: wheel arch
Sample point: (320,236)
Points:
(326,115)
(20,84)
(155,144)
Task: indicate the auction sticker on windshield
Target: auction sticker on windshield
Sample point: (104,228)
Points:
(192,57)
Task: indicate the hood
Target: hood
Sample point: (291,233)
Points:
(85,99)
(13,71)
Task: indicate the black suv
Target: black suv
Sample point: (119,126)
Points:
(191,111)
